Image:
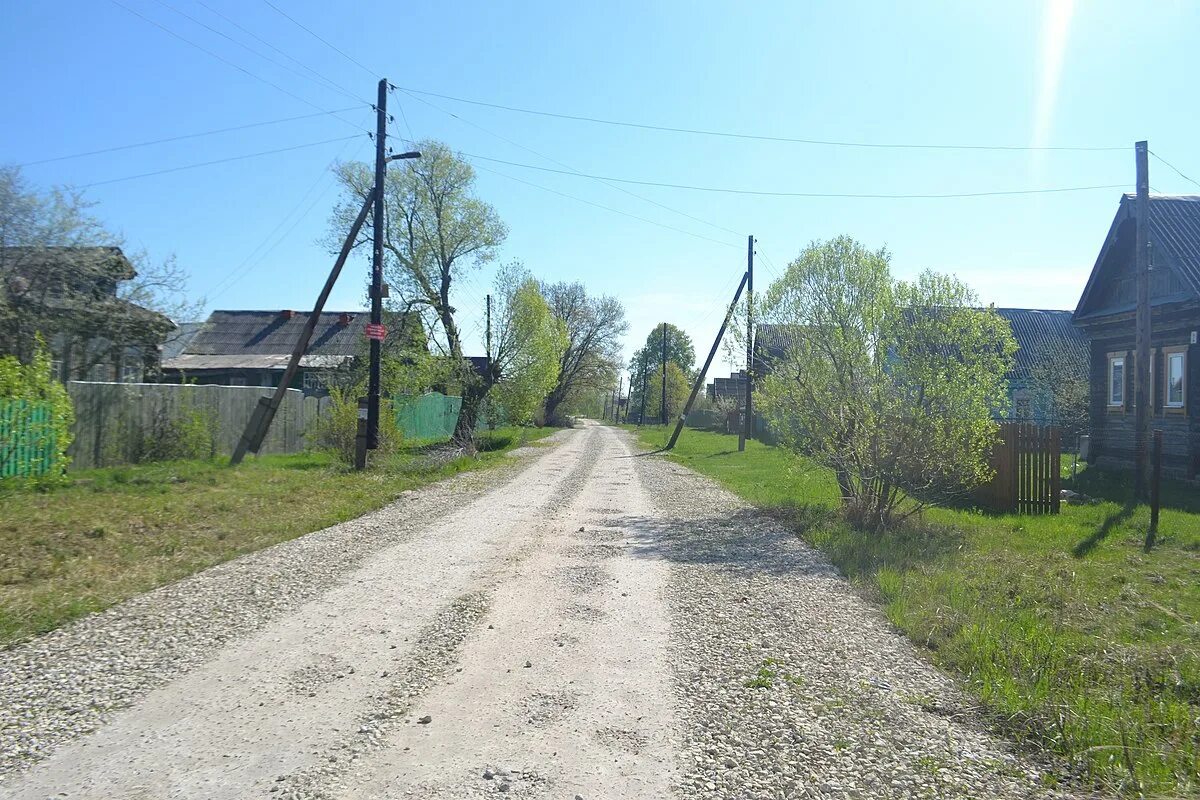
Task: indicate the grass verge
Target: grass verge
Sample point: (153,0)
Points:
(109,534)
(1072,638)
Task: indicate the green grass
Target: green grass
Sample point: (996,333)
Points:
(1072,638)
(109,534)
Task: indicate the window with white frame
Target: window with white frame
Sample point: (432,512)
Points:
(1175,371)
(312,382)
(1116,381)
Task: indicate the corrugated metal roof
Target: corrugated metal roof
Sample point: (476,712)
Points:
(266,333)
(178,339)
(279,361)
(1040,331)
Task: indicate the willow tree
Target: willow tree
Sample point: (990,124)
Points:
(437,232)
(592,356)
(529,348)
(892,385)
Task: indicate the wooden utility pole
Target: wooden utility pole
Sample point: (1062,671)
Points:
(748,427)
(489,332)
(1141,391)
(1155,491)
(707,362)
(620,391)
(373,376)
(645,373)
(664,375)
(264,412)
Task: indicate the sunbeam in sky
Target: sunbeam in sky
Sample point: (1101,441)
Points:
(1056,26)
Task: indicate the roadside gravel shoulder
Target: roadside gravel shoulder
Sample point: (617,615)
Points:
(790,684)
(67,683)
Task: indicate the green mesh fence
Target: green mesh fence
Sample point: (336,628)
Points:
(429,416)
(26,438)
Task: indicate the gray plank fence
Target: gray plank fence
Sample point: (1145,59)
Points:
(112,420)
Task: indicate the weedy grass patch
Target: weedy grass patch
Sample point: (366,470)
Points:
(1073,639)
(108,534)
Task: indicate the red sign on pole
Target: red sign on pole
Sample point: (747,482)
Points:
(375,331)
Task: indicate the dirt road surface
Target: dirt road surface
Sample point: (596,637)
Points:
(589,623)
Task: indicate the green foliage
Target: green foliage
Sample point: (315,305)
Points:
(532,345)
(191,435)
(1073,638)
(336,430)
(892,385)
(592,356)
(678,390)
(33,384)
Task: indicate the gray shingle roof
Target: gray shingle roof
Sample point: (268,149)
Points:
(1175,229)
(1041,331)
(253,335)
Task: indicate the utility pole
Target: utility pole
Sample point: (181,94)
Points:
(489,331)
(620,391)
(664,374)
(1141,391)
(373,379)
(707,362)
(748,428)
(645,373)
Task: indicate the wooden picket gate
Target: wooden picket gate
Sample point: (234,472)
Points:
(1028,474)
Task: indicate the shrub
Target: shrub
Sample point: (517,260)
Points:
(192,435)
(34,384)
(335,430)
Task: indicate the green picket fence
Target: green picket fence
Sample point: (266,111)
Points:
(428,416)
(26,438)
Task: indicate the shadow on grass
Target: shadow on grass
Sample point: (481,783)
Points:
(1116,486)
(763,542)
(1101,533)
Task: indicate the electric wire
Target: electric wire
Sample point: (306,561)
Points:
(830,195)
(216,161)
(222,59)
(186,136)
(1173,168)
(568,166)
(760,137)
(319,38)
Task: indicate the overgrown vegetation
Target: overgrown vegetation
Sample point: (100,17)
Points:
(108,534)
(1072,638)
(39,442)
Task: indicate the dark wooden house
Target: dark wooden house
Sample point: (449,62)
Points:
(1106,313)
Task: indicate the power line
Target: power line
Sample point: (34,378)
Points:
(757,137)
(222,59)
(761,193)
(216,161)
(319,38)
(187,136)
(1173,168)
(283,53)
(569,167)
(252,51)
(608,208)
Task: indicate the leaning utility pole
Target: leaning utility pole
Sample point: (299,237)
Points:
(707,362)
(664,374)
(264,412)
(748,427)
(1141,391)
(489,332)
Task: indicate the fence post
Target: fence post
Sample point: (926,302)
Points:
(1155,489)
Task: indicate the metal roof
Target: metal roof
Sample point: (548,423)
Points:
(190,362)
(1174,233)
(1041,331)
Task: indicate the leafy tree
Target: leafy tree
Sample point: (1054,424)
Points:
(680,351)
(31,383)
(678,389)
(892,385)
(1060,385)
(592,356)
(529,346)
(438,231)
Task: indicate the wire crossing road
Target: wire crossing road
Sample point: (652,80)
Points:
(589,623)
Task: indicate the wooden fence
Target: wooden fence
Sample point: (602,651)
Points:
(1027,462)
(27,444)
(113,420)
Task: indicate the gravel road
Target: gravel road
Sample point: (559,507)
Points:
(586,623)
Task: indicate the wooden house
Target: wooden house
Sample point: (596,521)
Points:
(1106,314)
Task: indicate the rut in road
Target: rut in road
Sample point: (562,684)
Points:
(598,625)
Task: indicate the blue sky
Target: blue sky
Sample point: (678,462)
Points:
(86,75)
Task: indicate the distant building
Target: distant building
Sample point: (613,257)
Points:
(69,295)
(1106,314)
(1040,334)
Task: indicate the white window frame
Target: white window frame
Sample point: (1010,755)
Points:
(311,381)
(1115,360)
(1173,354)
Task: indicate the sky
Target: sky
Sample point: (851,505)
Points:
(89,75)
